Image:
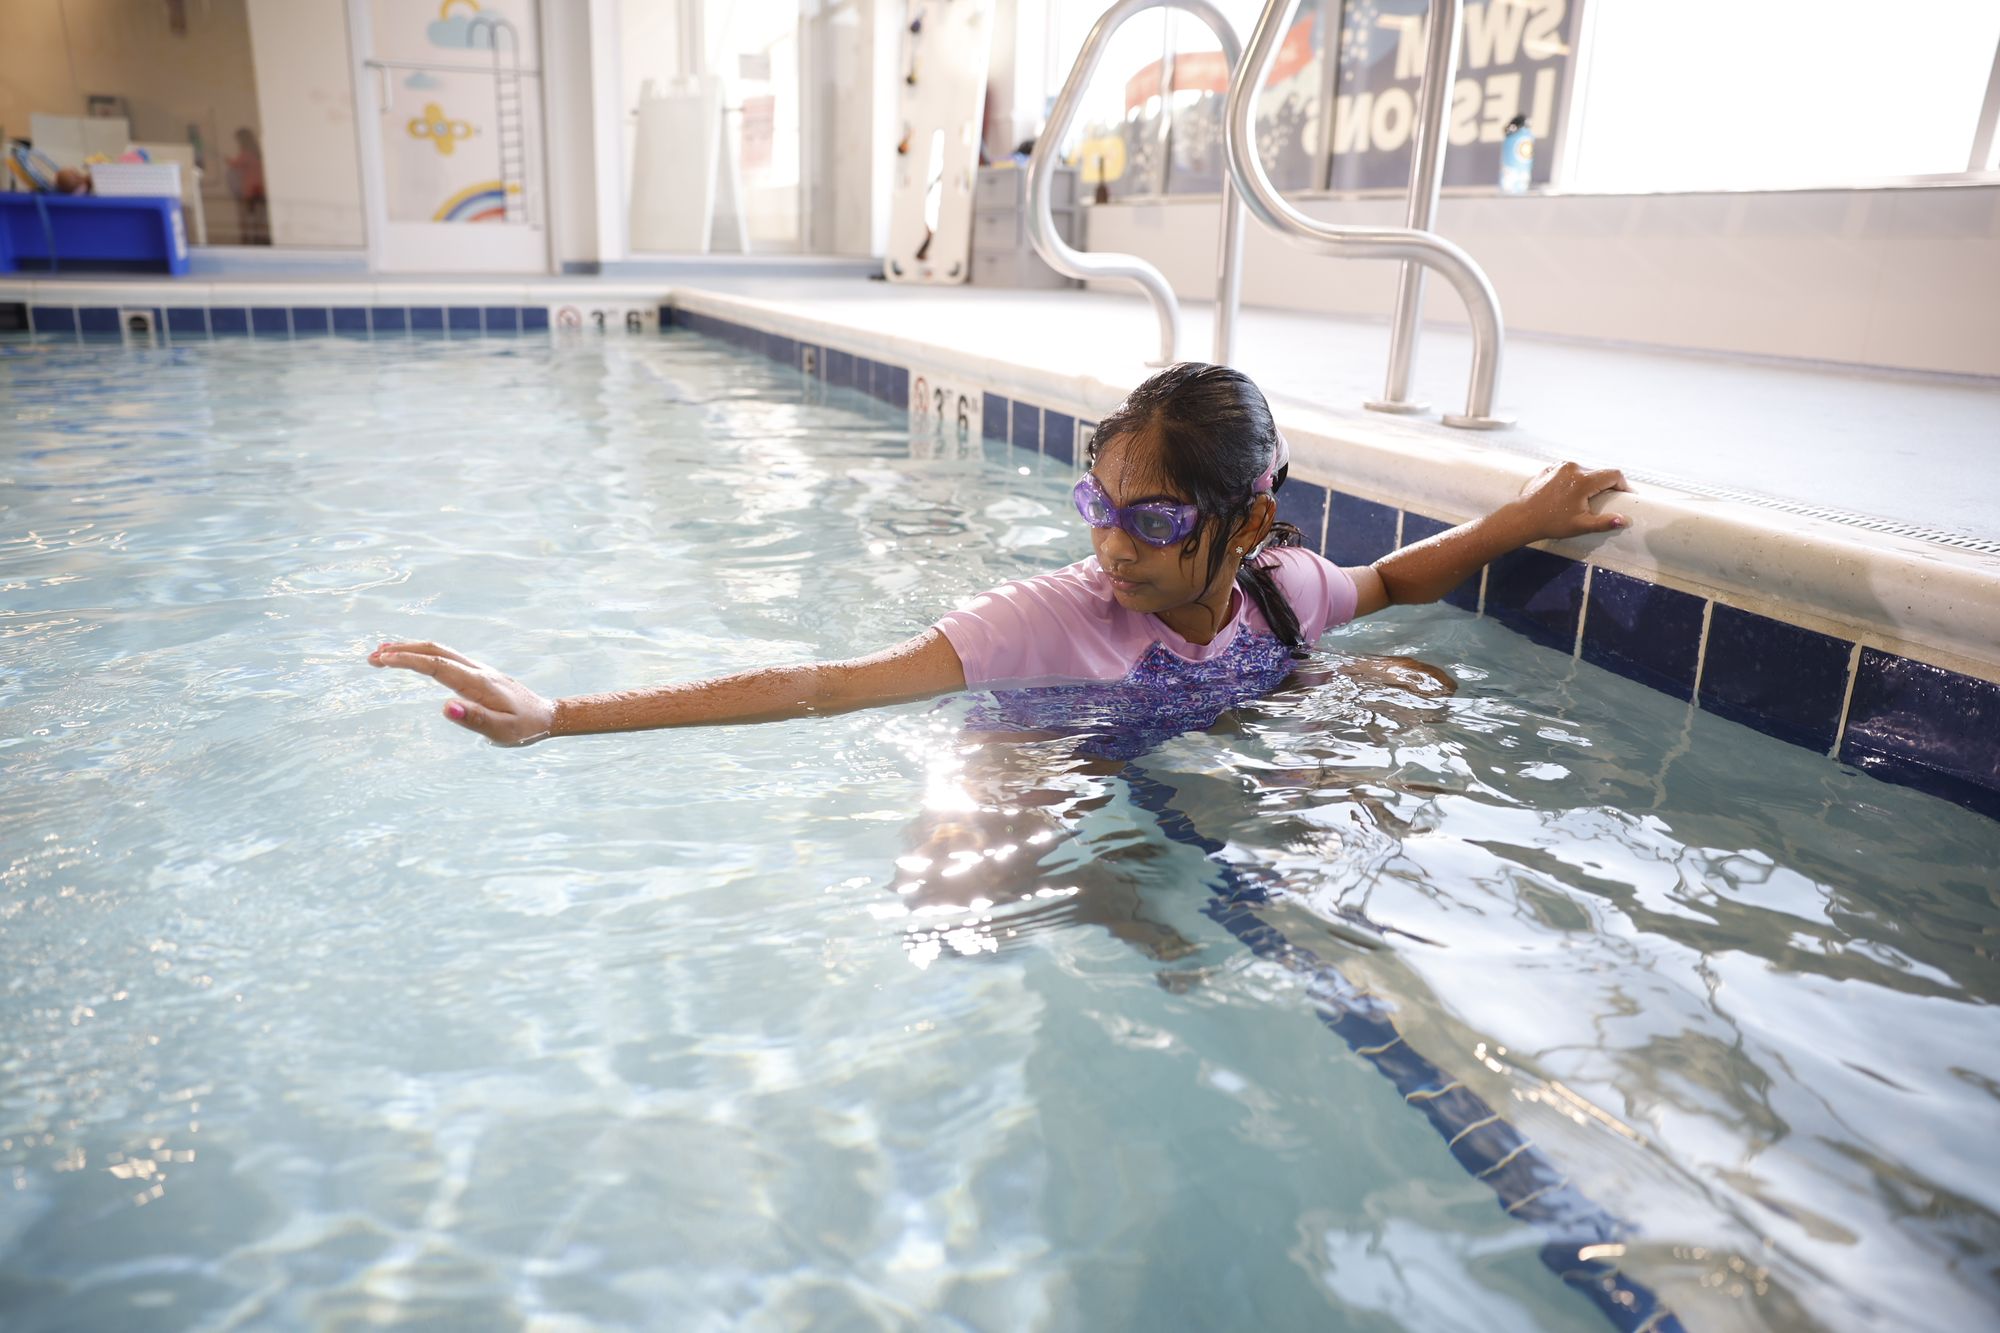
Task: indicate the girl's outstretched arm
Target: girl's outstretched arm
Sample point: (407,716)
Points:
(507,712)
(1556,503)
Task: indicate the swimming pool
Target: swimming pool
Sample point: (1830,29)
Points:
(317,1012)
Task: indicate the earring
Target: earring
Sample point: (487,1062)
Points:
(1239,550)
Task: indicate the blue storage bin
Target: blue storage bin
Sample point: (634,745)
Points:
(117,234)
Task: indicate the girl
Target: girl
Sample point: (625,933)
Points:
(1196,599)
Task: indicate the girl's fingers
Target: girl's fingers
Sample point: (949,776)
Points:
(448,673)
(1605,479)
(427,648)
(472,717)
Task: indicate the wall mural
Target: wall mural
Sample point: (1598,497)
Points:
(462,123)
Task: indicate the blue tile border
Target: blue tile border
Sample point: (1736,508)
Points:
(1536,593)
(1921,726)
(1643,631)
(1358,531)
(185,321)
(1026,431)
(1303,505)
(194,323)
(1784,680)
(1907,721)
(1059,436)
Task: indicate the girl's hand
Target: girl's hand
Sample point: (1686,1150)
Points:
(498,707)
(1556,502)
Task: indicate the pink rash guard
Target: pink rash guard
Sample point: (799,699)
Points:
(1061,655)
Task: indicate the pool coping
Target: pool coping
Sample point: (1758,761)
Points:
(1878,650)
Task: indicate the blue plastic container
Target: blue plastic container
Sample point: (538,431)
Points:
(122,235)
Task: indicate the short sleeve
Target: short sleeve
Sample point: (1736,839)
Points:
(1054,627)
(992,634)
(1320,592)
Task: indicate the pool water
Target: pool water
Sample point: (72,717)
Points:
(317,1012)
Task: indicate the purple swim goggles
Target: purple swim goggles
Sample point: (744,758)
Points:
(1160,522)
(1156,522)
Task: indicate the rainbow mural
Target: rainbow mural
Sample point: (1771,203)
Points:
(483,202)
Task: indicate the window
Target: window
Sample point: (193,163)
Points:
(1771,94)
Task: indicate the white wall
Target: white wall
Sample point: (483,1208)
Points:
(305,101)
(1906,278)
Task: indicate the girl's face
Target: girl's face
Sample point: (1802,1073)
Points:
(1165,580)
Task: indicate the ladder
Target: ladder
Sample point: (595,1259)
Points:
(509,114)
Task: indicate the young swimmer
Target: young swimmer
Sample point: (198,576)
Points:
(1196,600)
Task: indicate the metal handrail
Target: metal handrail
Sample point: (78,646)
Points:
(1058,255)
(1427,151)
(1412,244)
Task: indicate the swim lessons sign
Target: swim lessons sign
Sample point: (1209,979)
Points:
(1511,62)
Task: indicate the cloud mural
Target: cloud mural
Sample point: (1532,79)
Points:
(423,82)
(456,32)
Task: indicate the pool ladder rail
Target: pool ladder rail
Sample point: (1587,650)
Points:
(1248,185)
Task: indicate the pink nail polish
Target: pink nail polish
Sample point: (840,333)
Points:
(456,712)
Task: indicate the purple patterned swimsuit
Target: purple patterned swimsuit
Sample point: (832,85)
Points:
(1060,655)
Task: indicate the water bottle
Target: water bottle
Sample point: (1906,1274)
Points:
(1517,157)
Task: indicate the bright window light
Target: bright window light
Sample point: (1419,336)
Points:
(1776,94)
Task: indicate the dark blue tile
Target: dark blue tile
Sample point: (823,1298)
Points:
(899,387)
(389,319)
(1416,528)
(1358,531)
(864,375)
(426,319)
(993,417)
(503,319)
(1059,437)
(1303,505)
(839,367)
(54,319)
(183,321)
(1781,679)
(1026,432)
(462,318)
(350,320)
(781,349)
(1925,727)
(228,321)
(667,315)
(535,318)
(99,320)
(1643,632)
(308,319)
(1537,594)
(270,321)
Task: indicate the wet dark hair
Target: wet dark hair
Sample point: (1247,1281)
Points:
(1216,437)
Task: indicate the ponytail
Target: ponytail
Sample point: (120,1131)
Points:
(1258,579)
